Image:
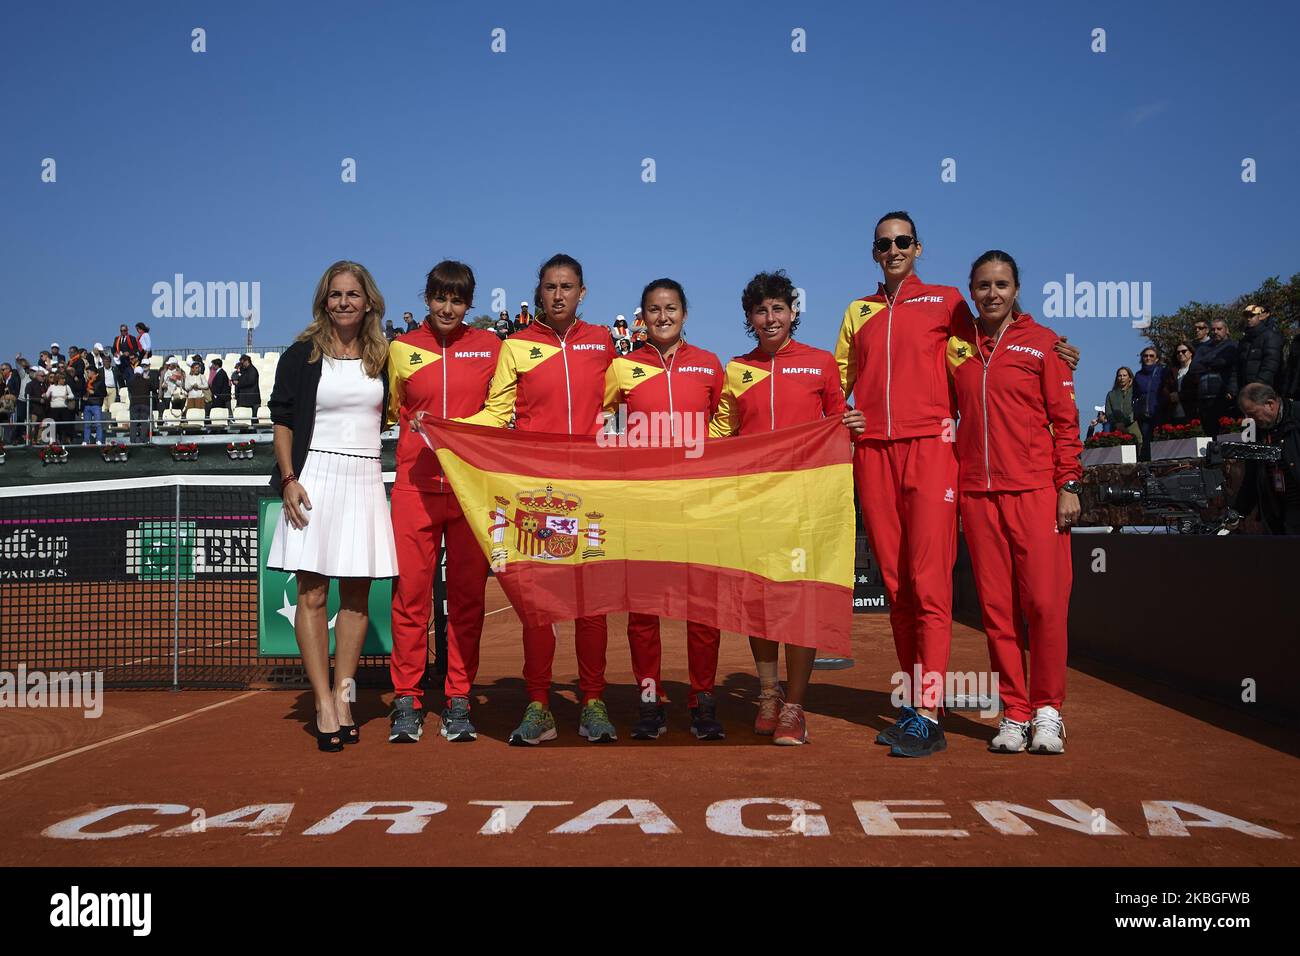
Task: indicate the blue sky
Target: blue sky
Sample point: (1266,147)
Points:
(225,165)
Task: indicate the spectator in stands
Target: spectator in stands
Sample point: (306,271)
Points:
(56,357)
(218,386)
(1178,389)
(620,331)
(411,324)
(10,384)
(1215,365)
(124,346)
(1259,353)
(502,325)
(58,398)
(44,361)
(110,387)
(523,319)
(640,337)
(35,397)
(24,370)
(172,386)
(92,431)
(144,341)
(1148,411)
(1119,404)
(1200,335)
(196,388)
(248,391)
(1272,488)
(390,332)
(140,392)
(622,346)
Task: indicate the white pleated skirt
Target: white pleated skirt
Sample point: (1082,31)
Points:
(349,533)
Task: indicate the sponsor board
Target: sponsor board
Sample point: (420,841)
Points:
(277,600)
(61,551)
(161,550)
(868,586)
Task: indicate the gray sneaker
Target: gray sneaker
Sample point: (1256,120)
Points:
(538,725)
(455,721)
(406,721)
(595,724)
(1012,737)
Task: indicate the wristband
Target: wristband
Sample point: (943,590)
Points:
(288,478)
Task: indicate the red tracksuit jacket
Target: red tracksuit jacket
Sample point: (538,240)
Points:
(765,392)
(550,384)
(1019,425)
(446,379)
(891,358)
(690,382)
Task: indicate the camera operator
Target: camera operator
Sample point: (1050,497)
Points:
(1273,488)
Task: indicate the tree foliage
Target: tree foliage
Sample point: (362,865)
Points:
(1281,299)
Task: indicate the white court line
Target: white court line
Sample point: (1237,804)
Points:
(498,610)
(163,657)
(130,733)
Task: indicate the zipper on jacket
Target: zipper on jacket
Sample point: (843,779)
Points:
(668,370)
(442,338)
(984,398)
(889,360)
(771,394)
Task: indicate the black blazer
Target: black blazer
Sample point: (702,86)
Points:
(220,387)
(293,403)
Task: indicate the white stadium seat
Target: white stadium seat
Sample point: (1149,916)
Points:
(194,419)
(207,359)
(120,412)
(242,418)
(171,419)
(263,415)
(229,361)
(220,418)
(155,362)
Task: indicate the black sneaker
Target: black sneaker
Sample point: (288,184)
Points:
(406,721)
(456,726)
(650,722)
(704,718)
(921,737)
(889,736)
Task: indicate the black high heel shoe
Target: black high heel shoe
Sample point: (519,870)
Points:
(331,742)
(350,733)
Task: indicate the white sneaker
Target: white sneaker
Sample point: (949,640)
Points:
(1012,737)
(1049,732)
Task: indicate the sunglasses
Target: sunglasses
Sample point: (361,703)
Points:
(1184,351)
(1148,355)
(884,242)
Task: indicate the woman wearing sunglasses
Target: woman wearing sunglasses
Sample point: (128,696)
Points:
(1018,450)
(891,354)
(1179,387)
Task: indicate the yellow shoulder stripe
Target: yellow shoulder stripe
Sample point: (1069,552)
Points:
(741,378)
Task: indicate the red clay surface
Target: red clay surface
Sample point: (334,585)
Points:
(1127,745)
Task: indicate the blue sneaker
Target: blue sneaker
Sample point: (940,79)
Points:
(921,737)
(889,736)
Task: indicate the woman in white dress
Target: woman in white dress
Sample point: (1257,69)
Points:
(328,406)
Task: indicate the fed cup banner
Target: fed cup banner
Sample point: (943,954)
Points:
(277,600)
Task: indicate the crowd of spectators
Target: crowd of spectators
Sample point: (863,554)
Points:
(66,398)
(1203,379)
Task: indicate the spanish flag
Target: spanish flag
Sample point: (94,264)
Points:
(753,534)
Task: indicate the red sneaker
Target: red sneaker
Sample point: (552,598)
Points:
(769,710)
(791,726)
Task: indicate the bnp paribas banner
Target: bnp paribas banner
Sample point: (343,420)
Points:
(277,598)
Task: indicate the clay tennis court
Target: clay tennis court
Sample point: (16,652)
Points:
(206,753)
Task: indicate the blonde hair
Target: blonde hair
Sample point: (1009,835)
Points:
(320,333)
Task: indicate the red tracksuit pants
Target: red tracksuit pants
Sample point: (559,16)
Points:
(1023,573)
(907,490)
(420,521)
(701,655)
(591,635)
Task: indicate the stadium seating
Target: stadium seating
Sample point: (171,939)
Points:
(120,413)
(195,420)
(220,418)
(241,418)
(171,419)
(263,415)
